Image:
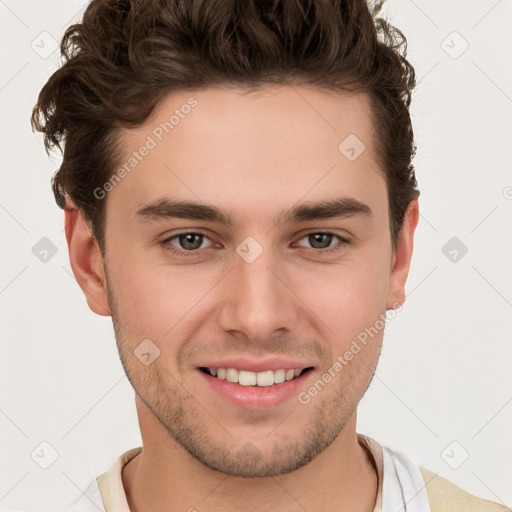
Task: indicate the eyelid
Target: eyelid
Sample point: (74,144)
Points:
(326,231)
(186,231)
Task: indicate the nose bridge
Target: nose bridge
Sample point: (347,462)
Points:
(259,301)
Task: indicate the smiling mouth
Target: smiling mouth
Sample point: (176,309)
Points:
(261,379)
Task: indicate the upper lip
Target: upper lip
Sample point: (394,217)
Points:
(256,365)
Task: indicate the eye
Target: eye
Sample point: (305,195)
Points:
(189,243)
(186,243)
(321,241)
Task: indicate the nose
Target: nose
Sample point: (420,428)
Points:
(260,303)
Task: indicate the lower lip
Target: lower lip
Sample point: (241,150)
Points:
(257,397)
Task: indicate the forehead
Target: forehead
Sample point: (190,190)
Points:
(280,143)
(242,117)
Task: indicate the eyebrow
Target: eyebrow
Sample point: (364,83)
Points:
(165,208)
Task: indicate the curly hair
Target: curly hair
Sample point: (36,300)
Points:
(126,55)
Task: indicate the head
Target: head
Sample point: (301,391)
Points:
(287,125)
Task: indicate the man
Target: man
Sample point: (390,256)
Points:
(239,197)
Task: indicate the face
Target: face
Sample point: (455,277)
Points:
(281,262)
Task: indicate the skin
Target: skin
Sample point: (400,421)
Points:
(252,155)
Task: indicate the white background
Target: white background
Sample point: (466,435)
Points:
(445,371)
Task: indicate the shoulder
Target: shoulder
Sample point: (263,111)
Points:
(445,496)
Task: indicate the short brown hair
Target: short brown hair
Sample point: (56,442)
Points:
(126,55)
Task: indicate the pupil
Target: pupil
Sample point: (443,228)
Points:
(317,238)
(187,242)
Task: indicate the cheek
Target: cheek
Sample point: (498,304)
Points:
(152,298)
(348,297)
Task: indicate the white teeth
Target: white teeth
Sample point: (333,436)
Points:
(232,375)
(246,378)
(265,378)
(279,376)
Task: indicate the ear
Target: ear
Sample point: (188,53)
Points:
(402,257)
(86,260)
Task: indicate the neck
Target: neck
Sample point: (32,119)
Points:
(165,476)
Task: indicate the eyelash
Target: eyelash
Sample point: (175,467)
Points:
(167,243)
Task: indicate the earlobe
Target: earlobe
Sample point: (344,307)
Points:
(86,260)
(402,257)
